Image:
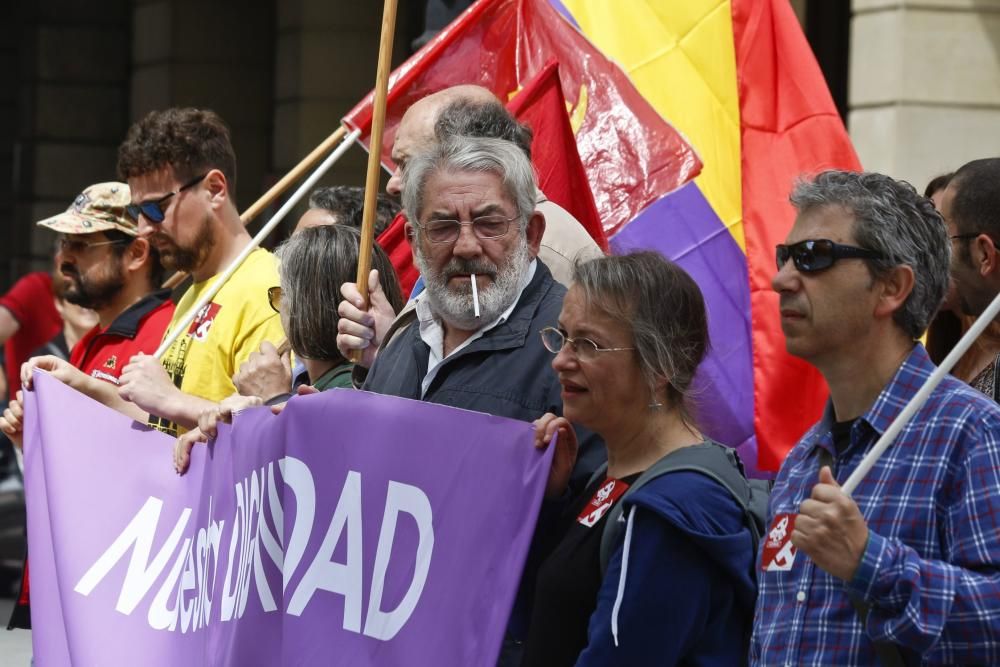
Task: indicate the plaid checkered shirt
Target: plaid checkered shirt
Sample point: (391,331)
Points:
(931,568)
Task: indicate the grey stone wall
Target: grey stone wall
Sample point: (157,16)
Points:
(64,109)
(924,85)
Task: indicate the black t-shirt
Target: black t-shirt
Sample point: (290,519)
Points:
(841,433)
(570,578)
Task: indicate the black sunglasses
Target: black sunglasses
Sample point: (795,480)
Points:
(153,209)
(815,255)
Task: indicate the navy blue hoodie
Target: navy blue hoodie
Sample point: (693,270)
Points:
(680,589)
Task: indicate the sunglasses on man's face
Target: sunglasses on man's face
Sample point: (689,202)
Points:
(153,209)
(815,255)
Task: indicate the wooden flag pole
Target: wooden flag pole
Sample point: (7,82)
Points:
(375,152)
(276,190)
(206,298)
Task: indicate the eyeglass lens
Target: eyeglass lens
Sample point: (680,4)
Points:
(555,340)
(485,227)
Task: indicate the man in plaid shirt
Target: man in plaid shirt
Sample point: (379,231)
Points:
(917,548)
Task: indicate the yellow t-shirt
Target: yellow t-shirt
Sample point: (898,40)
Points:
(203,361)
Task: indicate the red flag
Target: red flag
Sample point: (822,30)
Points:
(560,172)
(561,175)
(631,155)
(789,128)
(393,240)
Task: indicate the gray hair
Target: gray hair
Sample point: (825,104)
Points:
(478,154)
(665,310)
(314,263)
(895,221)
(482,118)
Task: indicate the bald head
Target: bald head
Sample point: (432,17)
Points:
(424,112)
(416,128)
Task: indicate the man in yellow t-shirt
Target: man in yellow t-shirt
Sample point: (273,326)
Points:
(203,361)
(181,170)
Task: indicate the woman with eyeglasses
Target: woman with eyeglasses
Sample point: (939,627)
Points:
(676,585)
(312,265)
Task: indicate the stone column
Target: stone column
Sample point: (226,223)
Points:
(327,53)
(214,54)
(65,111)
(924,85)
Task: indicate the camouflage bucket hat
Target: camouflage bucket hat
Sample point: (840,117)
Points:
(99,208)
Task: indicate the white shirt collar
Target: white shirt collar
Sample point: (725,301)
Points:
(432,330)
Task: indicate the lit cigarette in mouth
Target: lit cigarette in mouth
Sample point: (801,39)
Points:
(475,297)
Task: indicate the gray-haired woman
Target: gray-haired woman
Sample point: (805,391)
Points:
(679,586)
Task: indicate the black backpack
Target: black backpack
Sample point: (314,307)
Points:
(710,458)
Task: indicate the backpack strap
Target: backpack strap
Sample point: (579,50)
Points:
(599,474)
(709,458)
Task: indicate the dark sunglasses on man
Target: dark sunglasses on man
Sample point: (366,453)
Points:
(814,255)
(153,209)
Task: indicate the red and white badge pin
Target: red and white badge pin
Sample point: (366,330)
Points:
(779,552)
(601,502)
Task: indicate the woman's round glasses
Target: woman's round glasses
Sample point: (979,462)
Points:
(585,349)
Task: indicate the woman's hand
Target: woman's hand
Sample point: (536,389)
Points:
(183,447)
(12,421)
(546,427)
(58,368)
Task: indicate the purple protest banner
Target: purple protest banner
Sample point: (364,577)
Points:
(352,529)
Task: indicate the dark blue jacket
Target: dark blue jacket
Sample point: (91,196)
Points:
(687,589)
(507,372)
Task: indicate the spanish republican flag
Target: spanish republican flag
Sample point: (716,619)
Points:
(738,79)
(693,154)
(561,174)
(631,154)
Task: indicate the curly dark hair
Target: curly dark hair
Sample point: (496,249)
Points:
(191,141)
(347,204)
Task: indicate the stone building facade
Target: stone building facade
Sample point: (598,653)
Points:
(918,82)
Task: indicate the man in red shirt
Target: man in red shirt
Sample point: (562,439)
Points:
(106,267)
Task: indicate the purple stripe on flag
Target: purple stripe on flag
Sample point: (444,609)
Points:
(682,226)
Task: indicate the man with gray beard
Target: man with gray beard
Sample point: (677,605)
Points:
(471,206)
(471,339)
